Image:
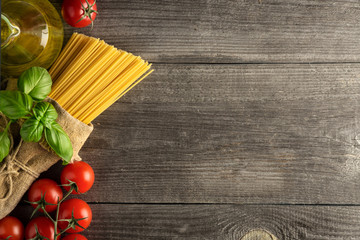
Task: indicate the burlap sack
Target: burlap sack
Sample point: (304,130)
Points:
(27,159)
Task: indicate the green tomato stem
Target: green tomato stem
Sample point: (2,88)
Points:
(68,193)
(56,218)
(57,213)
(63,231)
(48,215)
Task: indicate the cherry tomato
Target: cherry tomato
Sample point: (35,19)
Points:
(44,226)
(78,13)
(11,226)
(80,209)
(46,187)
(79,172)
(74,236)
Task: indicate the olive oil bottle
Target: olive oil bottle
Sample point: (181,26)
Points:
(31,35)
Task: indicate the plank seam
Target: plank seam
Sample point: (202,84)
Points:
(252,63)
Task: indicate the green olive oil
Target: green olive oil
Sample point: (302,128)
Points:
(31,35)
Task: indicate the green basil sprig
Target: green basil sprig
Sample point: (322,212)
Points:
(58,140)
(15,104)
(45,113)
(31,130)
(36,82)
(40,117)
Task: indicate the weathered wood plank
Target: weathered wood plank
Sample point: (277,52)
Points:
(231,31)
(223,222)
(232,134)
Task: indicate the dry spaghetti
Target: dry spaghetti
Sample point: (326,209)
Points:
(90,75)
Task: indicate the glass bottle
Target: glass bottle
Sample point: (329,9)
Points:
(31,35)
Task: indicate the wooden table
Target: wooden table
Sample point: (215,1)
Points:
(250,121)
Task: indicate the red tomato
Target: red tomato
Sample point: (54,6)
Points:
(78,13)
(80,209)
(46,187)
(11,226)
(44,226)
(79,172)
(74,236)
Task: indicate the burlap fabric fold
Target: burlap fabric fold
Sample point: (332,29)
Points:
(27,159)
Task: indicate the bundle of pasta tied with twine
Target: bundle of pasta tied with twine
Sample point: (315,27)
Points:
(89,76)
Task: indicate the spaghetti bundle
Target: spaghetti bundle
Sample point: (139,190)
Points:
(90,75)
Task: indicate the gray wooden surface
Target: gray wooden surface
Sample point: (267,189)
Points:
(202,221)
(250,121)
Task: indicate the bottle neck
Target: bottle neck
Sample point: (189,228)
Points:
(9,31)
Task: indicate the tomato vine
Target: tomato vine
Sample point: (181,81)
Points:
(73,222)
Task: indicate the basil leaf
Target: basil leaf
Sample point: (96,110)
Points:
(45,112)
(36,82)
(59,141)
(31,130)
(15,104)
(4,145)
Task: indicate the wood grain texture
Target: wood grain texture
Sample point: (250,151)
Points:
(232,134)
(211,31)
(258,234)
(213,151)
(218,222)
